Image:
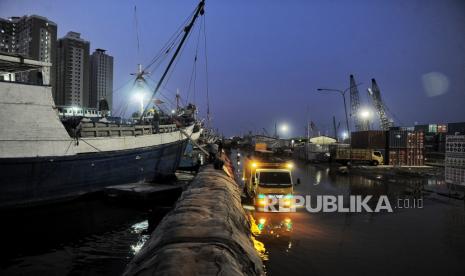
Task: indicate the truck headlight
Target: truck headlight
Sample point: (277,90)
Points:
(261,199)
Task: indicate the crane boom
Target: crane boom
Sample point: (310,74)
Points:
(355,104)
(375,95)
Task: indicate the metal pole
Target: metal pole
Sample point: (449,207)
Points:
(334,127)
(187,29)
(345,108)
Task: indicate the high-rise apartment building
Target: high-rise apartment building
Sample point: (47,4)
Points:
(73,71)
(101,78)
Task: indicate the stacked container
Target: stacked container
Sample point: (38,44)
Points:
(454,128)
(371,139)
(406,147)
(455,159)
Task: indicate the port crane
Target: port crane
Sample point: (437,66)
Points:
(375,94)
(355,105)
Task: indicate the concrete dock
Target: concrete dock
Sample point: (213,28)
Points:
(207,233)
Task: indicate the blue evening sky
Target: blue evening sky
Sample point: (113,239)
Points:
(267,58)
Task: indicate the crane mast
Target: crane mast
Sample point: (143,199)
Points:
(375,95)
(198,11)
(355,104)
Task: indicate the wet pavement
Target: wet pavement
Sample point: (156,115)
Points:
(408,241)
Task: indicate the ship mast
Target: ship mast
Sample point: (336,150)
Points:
(199,11)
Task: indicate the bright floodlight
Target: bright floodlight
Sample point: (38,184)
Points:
(284,128)
(365,114)
(138,96)
(345,135)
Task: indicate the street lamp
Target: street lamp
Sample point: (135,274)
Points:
(343,94)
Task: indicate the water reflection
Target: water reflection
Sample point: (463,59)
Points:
(271,229)
(361,242)
(317,178)
(139,228)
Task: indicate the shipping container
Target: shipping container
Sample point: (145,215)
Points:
(442,128)
(405,139)
(397,157)
(415,157)
(455,175)
(455,145)
(441,147)
(423,128)
(371,139)
(433,128)
(455,159)
(406,157)
(453,128)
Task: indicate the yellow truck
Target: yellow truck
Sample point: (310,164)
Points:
(266,179)
(349,155)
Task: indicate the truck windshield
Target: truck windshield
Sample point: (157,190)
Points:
(274,179)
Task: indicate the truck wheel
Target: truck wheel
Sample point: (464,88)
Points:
(375,163)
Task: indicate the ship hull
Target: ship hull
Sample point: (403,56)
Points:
(35,180)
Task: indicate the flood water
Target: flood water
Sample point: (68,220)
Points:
(414,241)
(88,236)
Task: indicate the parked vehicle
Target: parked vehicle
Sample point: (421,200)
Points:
(349,155)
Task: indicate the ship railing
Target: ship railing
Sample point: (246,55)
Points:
(97,129)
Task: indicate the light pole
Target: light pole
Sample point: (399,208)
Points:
(343,94)
(398,149)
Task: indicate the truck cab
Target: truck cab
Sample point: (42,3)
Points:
(266,179)
(273,183)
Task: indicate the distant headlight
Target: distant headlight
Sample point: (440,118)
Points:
(289,165)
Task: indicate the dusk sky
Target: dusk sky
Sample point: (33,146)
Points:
(267,58)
